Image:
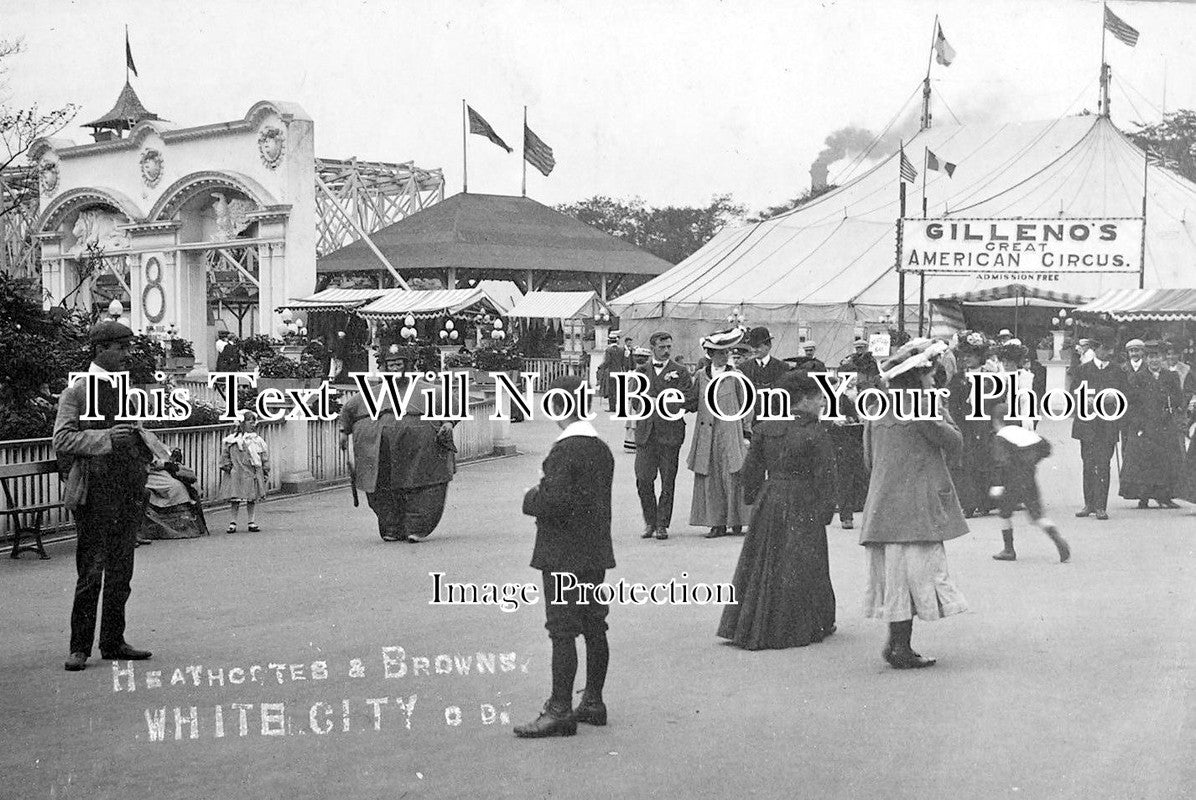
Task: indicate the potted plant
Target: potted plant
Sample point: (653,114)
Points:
(1045,348)
(180,355)
(261,346)
(145,354)
(279,372)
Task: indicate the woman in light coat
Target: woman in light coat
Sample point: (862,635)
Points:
(911,509)
(719,447)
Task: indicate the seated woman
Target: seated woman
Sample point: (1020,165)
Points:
(174,510)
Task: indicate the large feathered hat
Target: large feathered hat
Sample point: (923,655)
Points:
(972,343)
(1013,350)
(914,354)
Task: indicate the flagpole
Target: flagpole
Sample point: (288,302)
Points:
(524,159)
(126,53)
(1142,249)
(925,169)
(901,216)
(922,275)
(1104,69)
(926,83)
(464,150)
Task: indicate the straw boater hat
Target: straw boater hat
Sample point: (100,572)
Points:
(641,352)
(1132,343)
(723,340)
(914,354)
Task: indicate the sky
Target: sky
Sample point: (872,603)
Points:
(670,101)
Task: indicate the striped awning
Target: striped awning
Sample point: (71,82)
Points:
(556,305)
(425,303)
(1017,292)
(334,300)
(1129,305)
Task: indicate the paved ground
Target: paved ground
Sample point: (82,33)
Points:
(1065,681)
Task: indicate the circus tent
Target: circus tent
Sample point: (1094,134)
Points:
(825,271)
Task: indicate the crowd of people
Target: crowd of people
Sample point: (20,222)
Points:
(778,482)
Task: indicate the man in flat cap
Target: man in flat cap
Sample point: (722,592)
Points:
(807,361)
(762,369)
(861,362)
(1097,437)
(105,490)
(1135,349)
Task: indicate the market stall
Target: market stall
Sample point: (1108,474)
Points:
(559,326)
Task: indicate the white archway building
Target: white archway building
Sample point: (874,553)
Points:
(166,217)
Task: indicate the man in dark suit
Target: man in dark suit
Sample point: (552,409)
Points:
(105,490)
(1097,437)
(572,507)
(762,369)
(658,440)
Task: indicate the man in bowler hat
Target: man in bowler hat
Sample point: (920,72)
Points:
(658,440)
(1097,437)
(105,490)
(762,369)
(572,507)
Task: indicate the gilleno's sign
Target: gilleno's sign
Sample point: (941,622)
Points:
(1026,246)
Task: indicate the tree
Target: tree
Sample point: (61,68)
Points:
(1173,140)
(796,202)
(672,233)
(39,348)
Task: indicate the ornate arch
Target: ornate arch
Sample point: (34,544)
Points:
(53,214)
(185,188)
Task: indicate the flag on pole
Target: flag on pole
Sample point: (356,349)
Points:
(908,173)
(944,53)
(933,162)
(1116,26)
(538,154)
(482,128)
(129,55)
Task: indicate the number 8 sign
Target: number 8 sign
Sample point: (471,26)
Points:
(153,297)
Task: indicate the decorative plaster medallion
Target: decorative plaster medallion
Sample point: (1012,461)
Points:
(48,176)
(151,167)
(271,143)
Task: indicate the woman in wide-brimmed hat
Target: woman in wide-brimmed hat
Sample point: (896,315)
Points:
(911,509)
(782,581)
(719,446)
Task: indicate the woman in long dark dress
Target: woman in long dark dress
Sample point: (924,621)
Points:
(783,581)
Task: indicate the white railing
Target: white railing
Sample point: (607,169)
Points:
(201,452)
(550,369)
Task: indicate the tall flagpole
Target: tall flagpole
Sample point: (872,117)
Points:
(925,169)
(1142,249)
(900,223)
(926,83)
(922,275)
(1104,68)
(464,150)
(126,53)
(524,159)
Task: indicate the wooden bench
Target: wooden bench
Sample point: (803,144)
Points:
(10,473)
